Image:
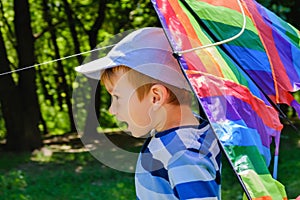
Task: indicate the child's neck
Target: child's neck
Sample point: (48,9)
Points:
(176,116)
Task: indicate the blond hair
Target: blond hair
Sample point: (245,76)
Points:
(143,83)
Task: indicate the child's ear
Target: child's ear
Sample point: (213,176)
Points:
(158,95)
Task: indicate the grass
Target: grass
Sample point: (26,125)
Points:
(70,176)
(63,172)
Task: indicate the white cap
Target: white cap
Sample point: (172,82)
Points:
(147,51)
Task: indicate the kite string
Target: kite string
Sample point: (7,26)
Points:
(178,52)
(52,61)
(223,41)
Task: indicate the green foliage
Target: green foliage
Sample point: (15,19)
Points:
(13,186)
(56,120)
(107,120)
(2,125)
(119,16)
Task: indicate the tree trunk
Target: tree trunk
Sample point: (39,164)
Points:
(293,16)
(91,122)
(64,85)
(20,103)
(71,23)
(9,98)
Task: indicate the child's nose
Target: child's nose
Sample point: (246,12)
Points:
(112,110)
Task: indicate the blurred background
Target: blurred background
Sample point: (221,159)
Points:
(41,154)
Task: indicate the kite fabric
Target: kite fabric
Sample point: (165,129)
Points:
(238,83)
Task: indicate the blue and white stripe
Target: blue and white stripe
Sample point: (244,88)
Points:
(179,163)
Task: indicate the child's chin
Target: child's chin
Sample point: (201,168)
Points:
(138,134)
(133,133)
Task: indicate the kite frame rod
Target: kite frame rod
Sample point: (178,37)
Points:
(177,56)
(215,134)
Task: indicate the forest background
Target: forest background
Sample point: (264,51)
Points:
(37,103)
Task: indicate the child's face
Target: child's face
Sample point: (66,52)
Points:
(127,107)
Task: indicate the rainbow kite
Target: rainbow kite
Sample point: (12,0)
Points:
(239,82)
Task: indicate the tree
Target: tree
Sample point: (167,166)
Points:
(63,86)
(69,28)
(293,15)
(19,100)
(91,122)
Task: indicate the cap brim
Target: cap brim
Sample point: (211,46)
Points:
(95,68)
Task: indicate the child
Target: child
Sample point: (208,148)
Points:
(180,158)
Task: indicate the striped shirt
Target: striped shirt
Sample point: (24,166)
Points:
(179,163)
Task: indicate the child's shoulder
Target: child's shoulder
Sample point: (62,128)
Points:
(182,137)
(184,130)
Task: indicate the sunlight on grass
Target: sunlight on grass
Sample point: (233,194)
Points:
(63,176)
(66,171)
